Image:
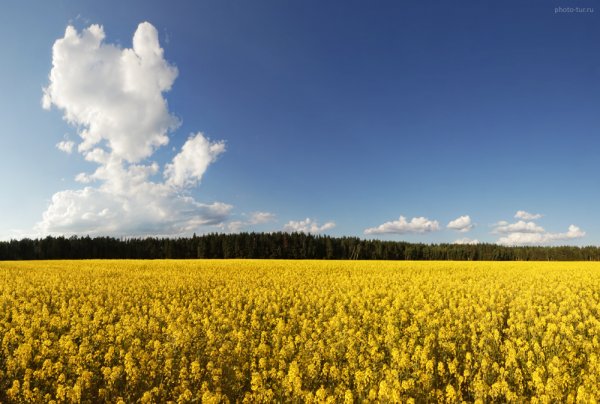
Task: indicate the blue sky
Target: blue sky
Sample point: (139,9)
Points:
(351,114)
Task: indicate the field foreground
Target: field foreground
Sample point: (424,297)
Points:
(316,331)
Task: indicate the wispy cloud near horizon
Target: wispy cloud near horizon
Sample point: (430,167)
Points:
(402,226)
(307,226)
(525,232)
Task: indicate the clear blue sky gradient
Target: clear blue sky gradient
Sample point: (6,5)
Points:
(348,111)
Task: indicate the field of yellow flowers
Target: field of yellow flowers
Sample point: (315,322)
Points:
(299,331)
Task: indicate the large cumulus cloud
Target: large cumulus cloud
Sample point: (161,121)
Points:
(114,97)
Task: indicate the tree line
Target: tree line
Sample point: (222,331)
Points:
(277,246)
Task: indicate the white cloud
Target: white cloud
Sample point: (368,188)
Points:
(307,226)
(66,146)
(190,164)
(255,218)
(521,214)
(519,238)
(152,211)
(115,98)
(401,226)
(466,240)
(261,217)
(113,95)
(462,224)
(235,227)
(524,232)
(83,178)
(518,227)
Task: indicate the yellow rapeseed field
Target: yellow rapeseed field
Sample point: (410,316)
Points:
(299,331)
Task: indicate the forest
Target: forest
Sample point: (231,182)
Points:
(277,245)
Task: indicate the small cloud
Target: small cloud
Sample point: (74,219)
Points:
(261,217)
(462,224)
(235,226)
(402,226)
(466,240)
(307,226)
(525,232)
(255,218)
(519,227)
(189,165)
(83,178)
(66,146)
(521,214)
(517,238)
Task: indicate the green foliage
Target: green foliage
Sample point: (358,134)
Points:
(278,246)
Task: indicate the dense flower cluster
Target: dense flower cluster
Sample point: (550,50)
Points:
(304,331)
